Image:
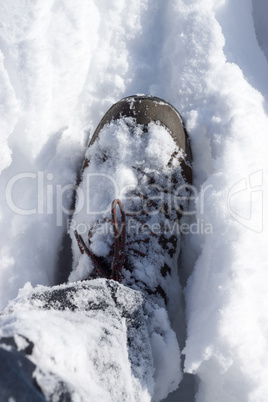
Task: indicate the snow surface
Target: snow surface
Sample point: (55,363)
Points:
(62,65)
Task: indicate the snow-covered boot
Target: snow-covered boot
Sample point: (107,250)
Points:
(132,196)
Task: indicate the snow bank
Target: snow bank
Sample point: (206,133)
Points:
(226,295)
(53,93)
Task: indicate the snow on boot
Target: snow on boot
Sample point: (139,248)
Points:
(132,197)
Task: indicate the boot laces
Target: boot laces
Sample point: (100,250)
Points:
(119,245)
(119,249)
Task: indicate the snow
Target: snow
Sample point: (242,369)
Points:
(62,65)
(94,327)
(117,162)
